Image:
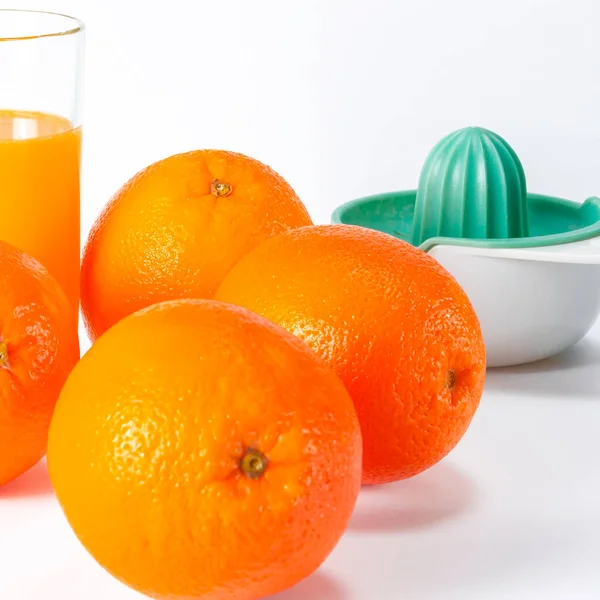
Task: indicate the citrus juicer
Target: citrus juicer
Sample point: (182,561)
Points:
(529,263)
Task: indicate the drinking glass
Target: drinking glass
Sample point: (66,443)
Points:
(41,68)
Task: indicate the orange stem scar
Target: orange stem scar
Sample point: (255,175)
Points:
(220,188)
(451,379)
(253,464)
(3,354)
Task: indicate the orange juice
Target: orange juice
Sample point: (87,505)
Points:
(39,192)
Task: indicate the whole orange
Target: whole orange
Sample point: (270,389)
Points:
(390,320)
(200,451)
(38,349)
(176,228)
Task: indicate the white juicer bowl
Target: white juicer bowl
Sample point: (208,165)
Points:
(532,303)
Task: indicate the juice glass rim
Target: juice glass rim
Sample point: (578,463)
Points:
(76,25)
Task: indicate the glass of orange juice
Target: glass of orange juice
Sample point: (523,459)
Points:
(41,64)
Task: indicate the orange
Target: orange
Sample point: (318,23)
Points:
(200,451)
(176,228)
(38,348)
(390,321)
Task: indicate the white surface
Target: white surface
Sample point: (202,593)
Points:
(529,307)
(345,98)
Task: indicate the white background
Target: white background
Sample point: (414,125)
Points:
(345,99)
